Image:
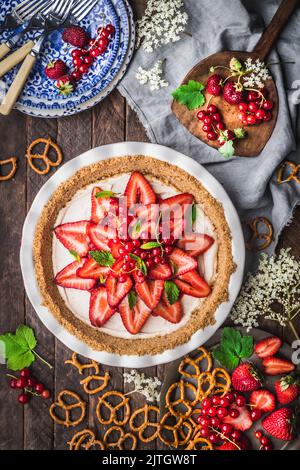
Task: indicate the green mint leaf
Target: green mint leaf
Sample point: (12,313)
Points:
(247,347)
(172,292)
(103,194)
(75,254)
(150,245)
(174,267)
(194,213)
(132,299)
(18,347)
(140,264)
(102,279)
(190,95)
(136,229)
(227,149)
(104,258)
(239,132)
(229,361)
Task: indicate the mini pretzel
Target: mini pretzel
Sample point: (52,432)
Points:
(199,443)
(267,236)
(182,400)
(82,367)
(76,443)
(204,356)
(222,381)
(146,423)
(104,379)
(185,437)
(206,385)
(113,409)
(173,429)
(292,175)
(68,408)
(13,162)
(122,437)
(186,362)
(43,156)
(96,443)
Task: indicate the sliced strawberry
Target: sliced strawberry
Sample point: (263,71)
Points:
(150,292)
(92,270)
(174,210)
(193,284)
(268,346)
(170,203)
(172,313)
(195,244)
(100,311)
(68,277)
(160,272)
(183,262)
(243,421)
(146,219)
(102,206)
(135,318)
(117,290)
(74,236)
(139,190)
(277,366)
(100,236)
(263,400)
(114,248)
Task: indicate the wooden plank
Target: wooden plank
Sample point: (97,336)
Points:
(12,310)
(74,137)
(38,427)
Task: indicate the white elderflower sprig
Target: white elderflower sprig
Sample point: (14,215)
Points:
(162,23)
(259,73)
(147,386)
(152,77)
(273,292)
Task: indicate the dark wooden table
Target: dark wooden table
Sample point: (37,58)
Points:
(30,427)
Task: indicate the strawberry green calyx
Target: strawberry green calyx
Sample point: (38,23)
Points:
(65,86)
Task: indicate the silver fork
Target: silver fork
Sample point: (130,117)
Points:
(20,14)
(28,23)
(53,21)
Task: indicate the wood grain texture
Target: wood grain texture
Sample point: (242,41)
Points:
(110,121)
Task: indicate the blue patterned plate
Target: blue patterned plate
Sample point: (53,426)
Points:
(74,100)
(41,93)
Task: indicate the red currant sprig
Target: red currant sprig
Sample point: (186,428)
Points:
(29,386)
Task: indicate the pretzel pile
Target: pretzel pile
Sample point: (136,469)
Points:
(125,427)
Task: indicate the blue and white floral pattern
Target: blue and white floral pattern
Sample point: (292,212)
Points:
(40,92)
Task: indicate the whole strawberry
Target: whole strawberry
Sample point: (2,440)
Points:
(280,424)
(214,85)
(75,35)
(287,389)
(246,378)
(232,94)
(65,85)
(56,69)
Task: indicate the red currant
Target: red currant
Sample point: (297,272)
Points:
(201,115)
(252,95)
(243,106)
(224,402)
(25,372)
(144,255)
(150,263)
(122,251)
(76,75)
(211,411)
(88,60)
(77,62)
(31,382)
(216,400)
(83,69)
(267,105)
(226,429)
(216,117)
(206,128)
(260,114)
(258,434)
(212,108)
(204,420)
(21,382)
(123,278)
(215,422)
(156,251)
(91,42)
(157,259)
(213,438)
(230,396)
(205,431)
(255,414)
(234,413)
(230,135)
(221,126)
(268,116)
(252,107)
(45,394)
(236,435)
(264,441)
(129,247)
(95,52)
(251,119)
(242,115)
(208,120)
(23,398)
(212,136)
(207,402)
(168,250)
(110,29)
(222,412)
(39,388)
(240,400)
(13,383)
(103,43)
(136,243)
(77,53)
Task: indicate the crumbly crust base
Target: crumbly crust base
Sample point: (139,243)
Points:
(170,175)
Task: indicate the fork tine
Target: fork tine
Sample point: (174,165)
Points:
(27,9)
(82,6)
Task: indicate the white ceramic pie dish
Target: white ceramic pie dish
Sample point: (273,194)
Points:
(102,153)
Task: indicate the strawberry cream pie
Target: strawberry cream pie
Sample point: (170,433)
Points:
(133,255)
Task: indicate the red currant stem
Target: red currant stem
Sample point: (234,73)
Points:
(12,376)
(27,390)
(42,359)
(222,67)
(225,438)
(208,103)
(227,78)
(131,392)
(293,329)
(257,91)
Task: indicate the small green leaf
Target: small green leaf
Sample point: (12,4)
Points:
(75,254)
(18,347)
(140,264)
(25,335)
(136,229)
(132,299)
(247,347)
(150,245)
(172,292)
(233,347)
(239,132)
(227,149)
(174,267)
(190,95)
(194,213)
(102,279)
(228,361)
(104,194)
(104,258)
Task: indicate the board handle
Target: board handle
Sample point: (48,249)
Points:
(279,20)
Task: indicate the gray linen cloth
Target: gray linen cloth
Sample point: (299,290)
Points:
(218,25)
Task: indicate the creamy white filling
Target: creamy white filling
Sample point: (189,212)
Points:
(79,208)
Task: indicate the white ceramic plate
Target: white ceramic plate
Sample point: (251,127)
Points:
(103,153)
